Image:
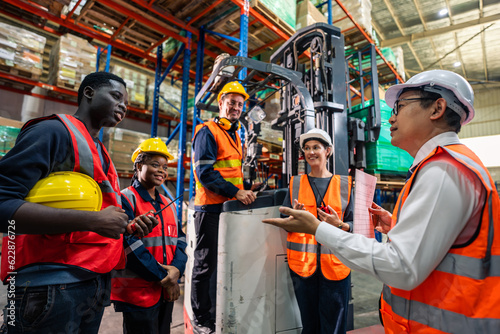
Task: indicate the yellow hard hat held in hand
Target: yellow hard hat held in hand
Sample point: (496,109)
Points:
(155,146)
(67,190)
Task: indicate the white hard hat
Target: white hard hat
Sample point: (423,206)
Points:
(315,134)
(450,85)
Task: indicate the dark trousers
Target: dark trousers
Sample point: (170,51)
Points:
(63,308)
(149,321)
(205,264)
(322,303)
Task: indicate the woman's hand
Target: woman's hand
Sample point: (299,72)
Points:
(332,219)
(297,205)
(142,225)
(381,218)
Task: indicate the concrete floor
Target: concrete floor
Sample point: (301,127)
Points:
(366,292)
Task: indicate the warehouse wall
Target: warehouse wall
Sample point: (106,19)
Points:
(22,107)
(487,119)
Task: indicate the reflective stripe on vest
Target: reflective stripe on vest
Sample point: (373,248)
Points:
(237,181)
(130,287)
(86,160)
(460,295)
(87,250)
(436,318)
(302,248)
(228,164)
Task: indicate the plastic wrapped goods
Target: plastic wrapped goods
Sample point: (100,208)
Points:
(21,51)
(71,59)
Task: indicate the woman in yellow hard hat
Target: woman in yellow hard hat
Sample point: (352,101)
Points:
(146,289)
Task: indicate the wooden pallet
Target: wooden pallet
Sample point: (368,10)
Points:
(355,38)
(68,85)
(271,16)
(62,97)
(54,7)
(19,72)
(258,36)
(137,105)
(15,85)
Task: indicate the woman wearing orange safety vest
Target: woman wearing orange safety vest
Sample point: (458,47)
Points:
(145,290)
(321,282)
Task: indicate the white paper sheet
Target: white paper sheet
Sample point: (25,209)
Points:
(363,198)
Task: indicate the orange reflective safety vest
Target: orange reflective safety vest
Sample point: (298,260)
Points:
(86,250)
(128,286)
(228,164)
(462,295)
(302,248)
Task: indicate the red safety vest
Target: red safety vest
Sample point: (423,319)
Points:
(302,248)
(86,250)
(228,164)
(462,294)
(128,286)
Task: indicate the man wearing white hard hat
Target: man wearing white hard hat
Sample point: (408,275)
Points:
(441,266)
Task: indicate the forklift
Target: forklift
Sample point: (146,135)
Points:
(254,291)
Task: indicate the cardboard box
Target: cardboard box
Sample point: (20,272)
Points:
(10,122)
(21,51)
(308,14)
(71,59)
(122,143)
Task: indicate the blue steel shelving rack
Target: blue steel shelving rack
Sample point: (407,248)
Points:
(181,128)
(243,52)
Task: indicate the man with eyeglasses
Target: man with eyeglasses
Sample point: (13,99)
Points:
(441,266)
(217,156)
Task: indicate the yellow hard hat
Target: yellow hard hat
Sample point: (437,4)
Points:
(233,87)
(153,145)
(67,190)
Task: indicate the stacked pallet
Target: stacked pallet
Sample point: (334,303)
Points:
(71,59)
(137,82)
(21,51)
(171,93)
(121,143)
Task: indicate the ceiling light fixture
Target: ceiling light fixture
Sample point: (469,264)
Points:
(443,12)
(457,63)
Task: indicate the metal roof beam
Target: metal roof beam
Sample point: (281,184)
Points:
(419,11)
(182,25)
(440,31)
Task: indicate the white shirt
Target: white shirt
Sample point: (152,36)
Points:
(441,202)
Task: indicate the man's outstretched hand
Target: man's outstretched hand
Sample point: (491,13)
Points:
(298,221)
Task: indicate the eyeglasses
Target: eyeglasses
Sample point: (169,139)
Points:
(158,166)
(397,109)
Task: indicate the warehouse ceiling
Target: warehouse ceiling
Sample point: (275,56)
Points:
(456,35)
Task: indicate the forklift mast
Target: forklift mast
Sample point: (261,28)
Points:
(324,74)
(309,71)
